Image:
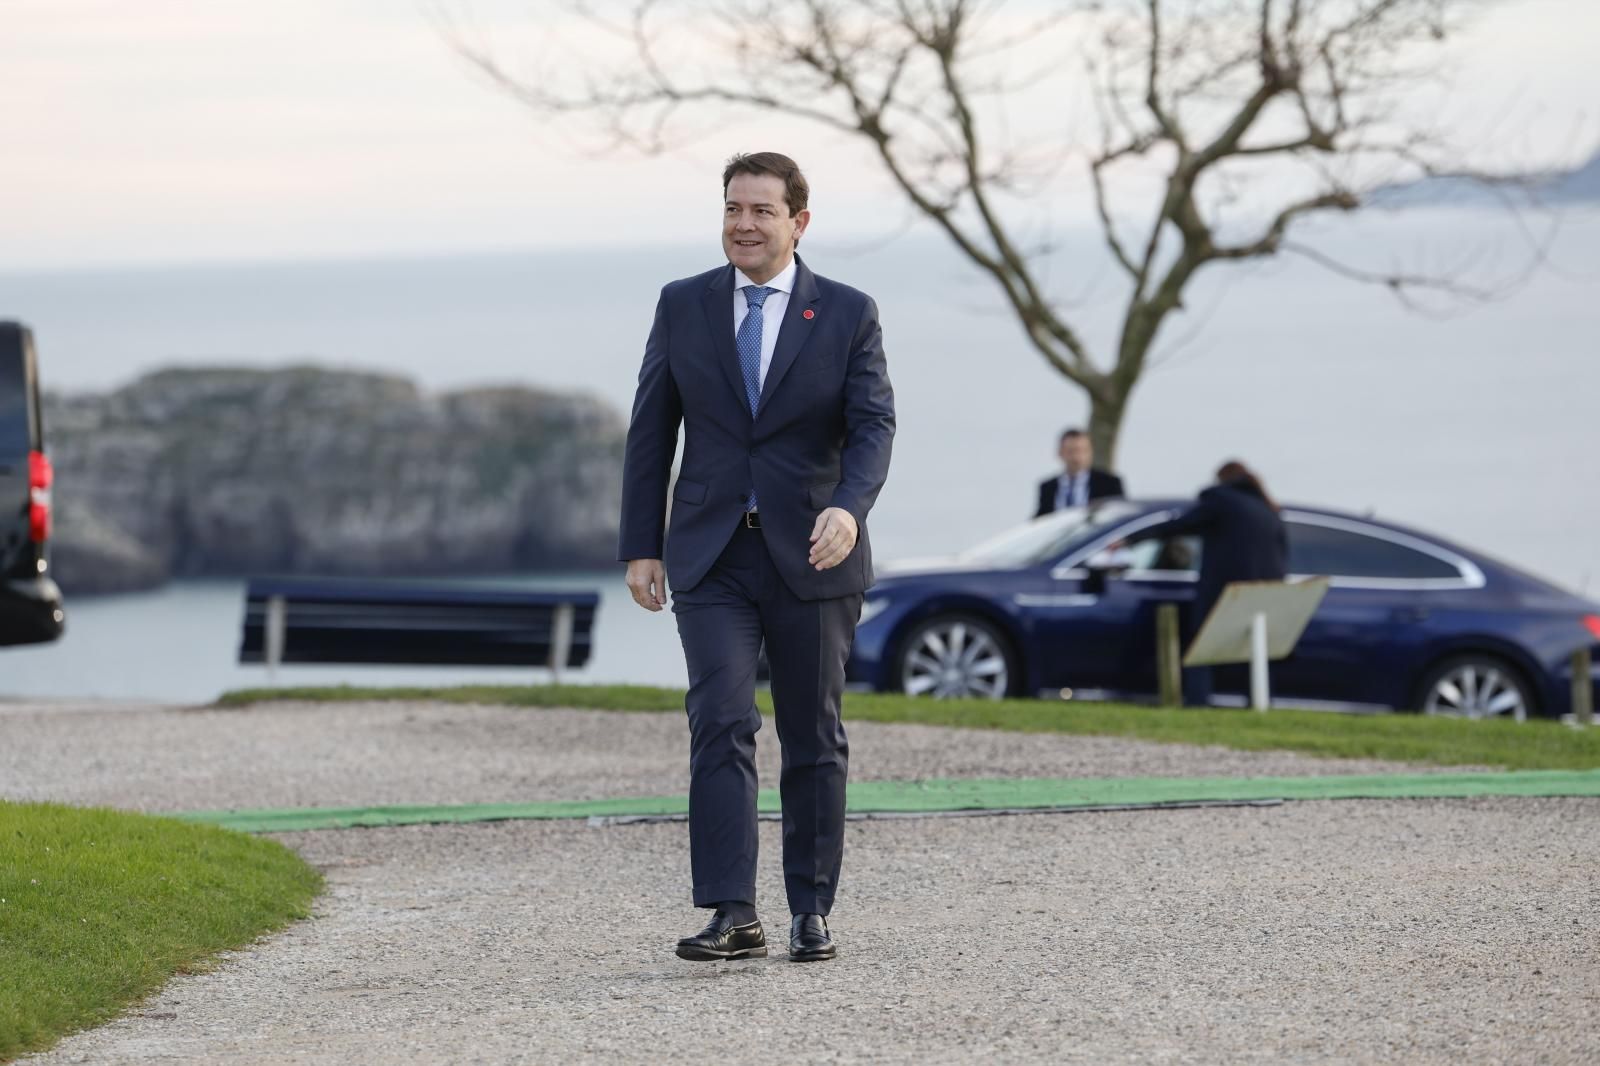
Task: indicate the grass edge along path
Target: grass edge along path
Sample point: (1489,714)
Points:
(98,908)
(940,796)
(1414,738)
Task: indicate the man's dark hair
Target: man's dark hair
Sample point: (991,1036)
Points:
(1069,434)
(796,193)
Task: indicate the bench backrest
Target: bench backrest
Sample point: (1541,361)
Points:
(345,621)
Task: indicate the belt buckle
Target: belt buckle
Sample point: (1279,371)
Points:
(752,520)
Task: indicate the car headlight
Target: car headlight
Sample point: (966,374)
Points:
(872,608)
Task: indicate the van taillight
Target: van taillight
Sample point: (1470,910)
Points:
(1592,623)
(40,475)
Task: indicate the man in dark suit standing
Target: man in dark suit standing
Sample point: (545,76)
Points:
(1079,482)
(779,380)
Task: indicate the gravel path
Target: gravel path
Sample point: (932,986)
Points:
(320,755)
(1357,931)
(1422,932)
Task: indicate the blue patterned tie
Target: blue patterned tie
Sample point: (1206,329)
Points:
(748,341)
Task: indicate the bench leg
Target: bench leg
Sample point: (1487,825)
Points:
(560,641)
(276,623)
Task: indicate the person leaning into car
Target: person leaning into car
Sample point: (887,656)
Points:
(779,380)
(1079,482)
(1242,538)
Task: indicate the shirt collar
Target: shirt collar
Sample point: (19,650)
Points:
(784,282)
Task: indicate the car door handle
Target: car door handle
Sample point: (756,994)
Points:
(1410,614)
(1079,599)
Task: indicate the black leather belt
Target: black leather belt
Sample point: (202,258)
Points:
(752,520)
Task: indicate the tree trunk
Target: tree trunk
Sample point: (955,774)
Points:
(1106,409)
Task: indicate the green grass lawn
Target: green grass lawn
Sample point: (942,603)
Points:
(98,908)
(1537,745)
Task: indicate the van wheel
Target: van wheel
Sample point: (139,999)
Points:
(1476,686)
(956,656)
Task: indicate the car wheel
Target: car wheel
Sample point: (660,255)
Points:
(1476,686)
(956,657)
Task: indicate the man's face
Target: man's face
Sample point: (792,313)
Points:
(1077,454)
(758,234)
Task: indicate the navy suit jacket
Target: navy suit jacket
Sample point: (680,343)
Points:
(1102,486)
(820,436)
(1241,539)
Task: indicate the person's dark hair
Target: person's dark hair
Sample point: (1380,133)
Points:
(796,193)
(1234,472)
(1069,434)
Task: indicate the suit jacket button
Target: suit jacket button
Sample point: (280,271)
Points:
(752,453)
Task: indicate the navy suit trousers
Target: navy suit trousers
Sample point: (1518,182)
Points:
(723,622)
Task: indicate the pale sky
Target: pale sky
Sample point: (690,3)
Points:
(193,130)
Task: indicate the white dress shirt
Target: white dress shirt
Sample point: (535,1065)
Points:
(772,311)
(1071,489)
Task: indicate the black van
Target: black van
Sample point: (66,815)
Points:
(30,603)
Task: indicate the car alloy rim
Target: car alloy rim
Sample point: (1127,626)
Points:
(1474,690)
(955,659)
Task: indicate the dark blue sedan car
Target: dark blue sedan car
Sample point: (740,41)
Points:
(1409,622)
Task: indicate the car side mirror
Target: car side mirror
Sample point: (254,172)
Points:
(1095,583)
(1102,566)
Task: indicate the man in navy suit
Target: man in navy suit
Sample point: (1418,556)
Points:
(779,380)
(1079,482)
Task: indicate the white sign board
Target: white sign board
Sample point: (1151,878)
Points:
(1255,621)
(1225,636)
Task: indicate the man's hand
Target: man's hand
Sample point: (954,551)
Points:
(832,538)
(647,580)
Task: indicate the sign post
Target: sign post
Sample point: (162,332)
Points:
(1582,688)
(1169,681)
(1254,622)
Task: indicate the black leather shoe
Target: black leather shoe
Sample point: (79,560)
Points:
(809,940)
(724,940)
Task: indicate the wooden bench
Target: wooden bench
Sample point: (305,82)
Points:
(316,620)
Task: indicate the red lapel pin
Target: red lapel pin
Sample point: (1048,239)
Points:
(808,313)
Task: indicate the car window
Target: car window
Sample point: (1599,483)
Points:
(1170,555)
(15,438)
(1048,537)
(1315,549)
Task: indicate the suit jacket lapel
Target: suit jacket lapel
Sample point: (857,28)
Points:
(718,303)
(794,332)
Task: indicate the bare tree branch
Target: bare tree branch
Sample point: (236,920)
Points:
(1270,241)
(1209,93)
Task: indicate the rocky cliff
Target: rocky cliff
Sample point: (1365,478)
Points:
(314,471)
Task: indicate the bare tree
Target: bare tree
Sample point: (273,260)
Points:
(1216,126)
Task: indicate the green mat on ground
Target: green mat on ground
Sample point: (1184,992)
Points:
(936,796)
